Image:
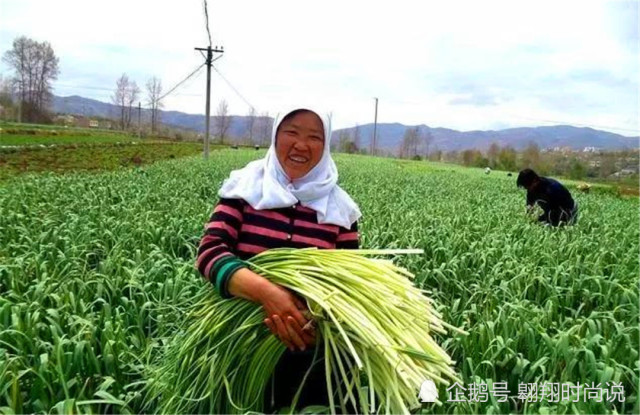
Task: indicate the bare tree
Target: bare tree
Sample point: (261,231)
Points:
(409,146)
(426,138)
(35,65)
(120,99)
(346,143)
(251,124)
(608,164)
(435,155)
(415,144)
(154,92)
(222,121)
(6,100)
(468,157)
(531,156)
(492,154)
(507,159)
(124,97)
(132,98)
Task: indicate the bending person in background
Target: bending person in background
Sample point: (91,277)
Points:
(554,199)
(290,199)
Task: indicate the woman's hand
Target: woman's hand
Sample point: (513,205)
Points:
(286,319)
(285,312)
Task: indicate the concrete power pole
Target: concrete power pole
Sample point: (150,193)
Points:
(375,127)
(209,61)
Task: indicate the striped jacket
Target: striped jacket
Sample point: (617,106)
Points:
(236,232)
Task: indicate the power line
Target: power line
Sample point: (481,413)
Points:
(183,81)
(187,83)
(98,88)
(206,17)
(233,88)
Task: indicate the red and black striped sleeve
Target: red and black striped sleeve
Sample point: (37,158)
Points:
(216,260)
(348,238)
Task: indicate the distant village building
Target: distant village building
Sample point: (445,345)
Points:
(591,149)
(65,120)
(558,149)
(81,121)
(566,150)
(84,122)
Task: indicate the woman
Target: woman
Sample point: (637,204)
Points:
(288,199)
(554,199)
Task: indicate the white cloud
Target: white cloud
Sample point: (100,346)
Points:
(456,64)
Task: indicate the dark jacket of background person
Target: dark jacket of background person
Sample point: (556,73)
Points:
(554,199)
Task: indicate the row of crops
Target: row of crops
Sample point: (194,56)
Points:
(30,148)
(96,275)
(20,134)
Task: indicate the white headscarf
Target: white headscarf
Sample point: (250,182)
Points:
(263,184)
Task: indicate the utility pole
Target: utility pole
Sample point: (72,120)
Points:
(375,127)
(209,61)
(139,111)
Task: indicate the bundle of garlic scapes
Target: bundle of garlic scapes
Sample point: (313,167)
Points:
(372,322)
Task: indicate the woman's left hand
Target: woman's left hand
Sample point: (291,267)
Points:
(288,328)
(291,325)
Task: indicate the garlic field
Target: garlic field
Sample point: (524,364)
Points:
(97,273)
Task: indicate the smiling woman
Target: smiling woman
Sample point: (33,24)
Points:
(299,142)
(289,199)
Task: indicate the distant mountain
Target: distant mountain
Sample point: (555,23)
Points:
(389,136)
(82,106)
(77,105)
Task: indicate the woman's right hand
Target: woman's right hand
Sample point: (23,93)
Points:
(284,311)
(285,317)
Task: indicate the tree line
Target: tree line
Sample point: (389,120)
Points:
(127,93)
(27,95)
(257,127)
(576,165)
(417,144)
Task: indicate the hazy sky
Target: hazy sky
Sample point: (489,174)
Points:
(457,64)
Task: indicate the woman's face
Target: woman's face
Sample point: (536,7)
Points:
(300,143)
